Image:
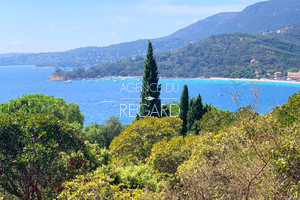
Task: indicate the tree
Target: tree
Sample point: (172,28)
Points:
(40,103)
(150,104)
(195,113)
(134,144)
(103,134)
(184,107)
(31,150)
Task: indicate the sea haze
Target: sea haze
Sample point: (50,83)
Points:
(99,99)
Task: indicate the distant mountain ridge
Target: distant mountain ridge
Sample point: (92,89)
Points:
(259,17)
(234,55)
(256,18)
(12,54)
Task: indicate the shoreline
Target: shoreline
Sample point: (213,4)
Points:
(48,67)
(59,78)
(254,80)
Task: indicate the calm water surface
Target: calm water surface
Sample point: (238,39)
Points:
(99,99)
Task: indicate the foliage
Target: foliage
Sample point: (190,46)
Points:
(134,144)
(195,112)
(294,69)
(214,120)
(243,73)
(138,177)
(103,134)
(31,148)
(166,155)
(93,155)
(184,108)
(150,88)
(99,186)
(174,108)
(290,111)
(235,155)
(40,103)
(132,176)
(249,156)
(6,195)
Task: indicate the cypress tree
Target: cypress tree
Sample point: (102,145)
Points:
(184,107)
(195,113)
(150,104)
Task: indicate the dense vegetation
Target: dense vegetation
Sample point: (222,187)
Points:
(229,55)
(227,155)
(236,155)
(288,32)
(39,152)
(102,135)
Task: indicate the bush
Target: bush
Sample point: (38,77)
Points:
(134,144)
(214,121)
(138,177)
(91,186)
(166,155)
(103,134)
(253,157)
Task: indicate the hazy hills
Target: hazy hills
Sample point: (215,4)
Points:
(226,55)
(260,17)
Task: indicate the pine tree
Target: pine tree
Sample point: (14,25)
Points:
(195,113)
(184,107)
(150,104)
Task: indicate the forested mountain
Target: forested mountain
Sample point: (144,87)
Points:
(257,18)
(260,17)
(237,55)
(289,32)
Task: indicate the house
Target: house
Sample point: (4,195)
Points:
(277,75)
(293,76)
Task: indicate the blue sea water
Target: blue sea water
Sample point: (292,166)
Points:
(100,99)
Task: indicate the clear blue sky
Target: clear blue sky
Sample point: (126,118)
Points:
(58,25)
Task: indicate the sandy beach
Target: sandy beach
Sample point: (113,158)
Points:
(254,80)
(60,78)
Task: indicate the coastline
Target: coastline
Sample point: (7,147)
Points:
(254,80)
(61,78)
(48,67)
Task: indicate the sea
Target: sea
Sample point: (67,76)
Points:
(100,99)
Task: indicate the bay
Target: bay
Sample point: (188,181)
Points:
(100,99)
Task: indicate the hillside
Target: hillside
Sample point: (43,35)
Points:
(89,56)
(256,18)
(227,55)
(288,32)
(260,17)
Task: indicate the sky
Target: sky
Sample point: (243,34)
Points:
(30,26)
